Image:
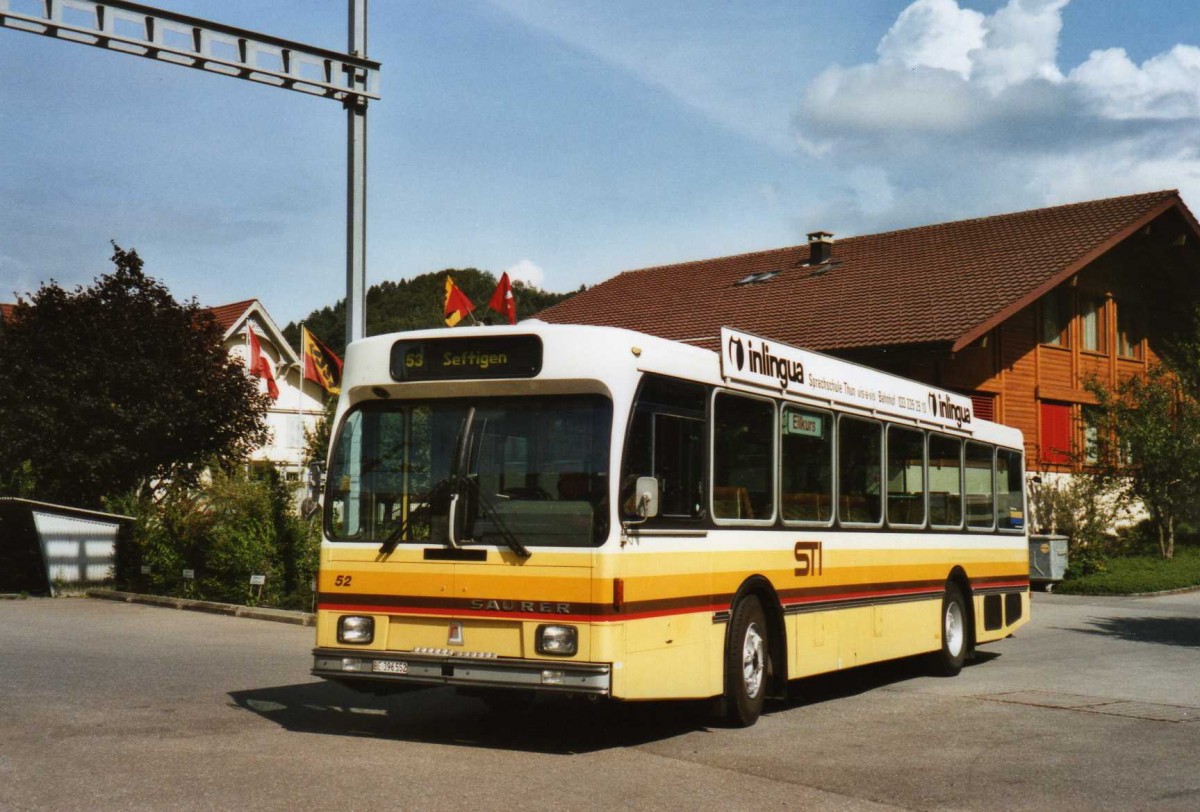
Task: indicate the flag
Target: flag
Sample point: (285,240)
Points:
(260,367)
(321,364)
(502,300)
(457,303)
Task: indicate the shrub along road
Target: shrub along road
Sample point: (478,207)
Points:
(1094,705)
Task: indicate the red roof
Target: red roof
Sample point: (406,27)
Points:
(227,315)
(6,311)
(946,283)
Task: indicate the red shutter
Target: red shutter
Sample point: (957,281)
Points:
(1056,433)
(983,406)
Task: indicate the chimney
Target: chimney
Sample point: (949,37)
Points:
(820,247)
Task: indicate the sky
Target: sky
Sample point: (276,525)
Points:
(565,141)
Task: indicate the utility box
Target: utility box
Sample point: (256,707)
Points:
(48,548)
(1047,560)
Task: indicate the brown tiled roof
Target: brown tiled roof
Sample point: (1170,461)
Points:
(6,311)
(946,283)
(226,315)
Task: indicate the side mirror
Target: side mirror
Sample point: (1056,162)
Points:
(646,494)
(316,478)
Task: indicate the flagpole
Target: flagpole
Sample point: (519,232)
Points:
(300,404)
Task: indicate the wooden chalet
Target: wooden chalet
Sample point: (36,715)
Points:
(1017,310)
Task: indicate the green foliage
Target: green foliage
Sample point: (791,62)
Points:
(316,440)
(1149,447)
(108,388)
(232,526)
(1134,575)
(418,303)
(20,481)
(1083,508)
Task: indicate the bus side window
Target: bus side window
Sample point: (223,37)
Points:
(945,481)
(1010,490)
(806,463)
(743,458)
(667,441)
(980,488)
(906,476)
(860,464)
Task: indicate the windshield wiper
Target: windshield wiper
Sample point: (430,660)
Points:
(440,490)
(502,530)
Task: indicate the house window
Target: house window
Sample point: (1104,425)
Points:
(1056,433)
(1091,435)
(1091,323)
(1129,332)
(1056,316)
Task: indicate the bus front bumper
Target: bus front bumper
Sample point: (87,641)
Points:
(381,667)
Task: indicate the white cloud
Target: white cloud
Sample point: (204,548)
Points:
(528,272)
(1166,86)
(934,34)
(965,114)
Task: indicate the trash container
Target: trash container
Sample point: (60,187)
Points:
(1047,560)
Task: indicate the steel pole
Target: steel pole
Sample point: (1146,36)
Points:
(356,185)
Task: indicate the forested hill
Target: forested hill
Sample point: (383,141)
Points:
(418,303)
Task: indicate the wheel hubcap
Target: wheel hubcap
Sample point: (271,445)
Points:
(954,629)
(753,661)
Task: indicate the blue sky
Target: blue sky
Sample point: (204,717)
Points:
(568,141)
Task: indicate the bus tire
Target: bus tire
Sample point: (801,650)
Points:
(747,663)
(955,634)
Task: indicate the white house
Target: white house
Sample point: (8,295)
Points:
(300,403)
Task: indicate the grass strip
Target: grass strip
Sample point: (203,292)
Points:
(1133,575)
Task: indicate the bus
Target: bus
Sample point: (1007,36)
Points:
(598,512)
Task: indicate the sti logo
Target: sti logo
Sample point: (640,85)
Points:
(809,559)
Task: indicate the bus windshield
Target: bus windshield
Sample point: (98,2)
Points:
(522,471)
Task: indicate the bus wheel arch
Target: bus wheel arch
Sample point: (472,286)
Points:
(755,612)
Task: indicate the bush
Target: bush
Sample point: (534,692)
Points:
(235,525)
(1083,508)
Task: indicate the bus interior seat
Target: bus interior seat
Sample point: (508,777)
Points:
(574,486)
(732,502)
(810,507)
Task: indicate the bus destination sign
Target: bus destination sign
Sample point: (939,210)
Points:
(467,358)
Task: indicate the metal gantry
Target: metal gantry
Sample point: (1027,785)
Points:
(179,39)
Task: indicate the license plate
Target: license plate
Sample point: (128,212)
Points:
(389,667)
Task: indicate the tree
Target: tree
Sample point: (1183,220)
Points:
(117,386)
(1149,446)
(417,303)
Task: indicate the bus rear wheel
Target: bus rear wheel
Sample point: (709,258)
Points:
(949,661)
(747,663)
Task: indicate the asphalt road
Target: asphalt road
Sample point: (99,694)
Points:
(1094,705)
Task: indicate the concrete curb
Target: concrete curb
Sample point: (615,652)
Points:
(212,607)
(1183,590)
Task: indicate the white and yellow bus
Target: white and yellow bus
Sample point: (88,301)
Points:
(599,512)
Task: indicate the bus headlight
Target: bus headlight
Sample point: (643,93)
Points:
(562,641)
(356,629)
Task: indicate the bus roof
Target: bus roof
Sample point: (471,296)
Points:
(617,357)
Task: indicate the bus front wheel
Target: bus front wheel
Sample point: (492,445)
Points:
(747,663)
(954,632)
